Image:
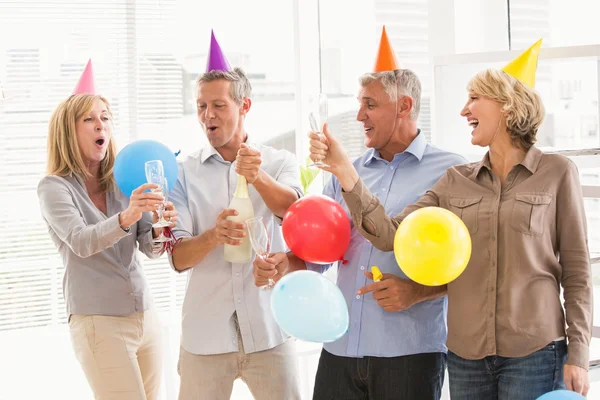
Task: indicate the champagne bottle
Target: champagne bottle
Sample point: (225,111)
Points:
(243,205)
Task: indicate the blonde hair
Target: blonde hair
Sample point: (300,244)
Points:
(523,106)
(64,155)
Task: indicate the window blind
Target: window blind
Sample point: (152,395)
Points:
(44,48)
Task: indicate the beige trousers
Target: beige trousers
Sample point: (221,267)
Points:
(120,356)
(270,374)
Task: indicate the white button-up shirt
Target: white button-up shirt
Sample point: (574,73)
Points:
(216,289)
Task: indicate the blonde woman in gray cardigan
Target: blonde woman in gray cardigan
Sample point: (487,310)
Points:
(114,327)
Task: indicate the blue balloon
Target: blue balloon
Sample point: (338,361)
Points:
(310,307)
(129,169)
(561,395)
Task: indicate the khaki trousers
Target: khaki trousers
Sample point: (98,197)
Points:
(270,374)
(120,356)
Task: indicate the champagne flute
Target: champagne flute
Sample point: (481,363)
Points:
(259,239)
(317,118)
(155,174)
(162,222)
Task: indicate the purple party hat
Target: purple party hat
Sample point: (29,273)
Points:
(216,58)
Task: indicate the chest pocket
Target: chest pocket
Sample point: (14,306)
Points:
(529,211)
(467,209)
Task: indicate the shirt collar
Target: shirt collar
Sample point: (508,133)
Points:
(531,161)
(416,148)
(209,151)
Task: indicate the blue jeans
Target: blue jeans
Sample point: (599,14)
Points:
(418,376)
(501,378)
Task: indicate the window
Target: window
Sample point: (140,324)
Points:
(348,49)
(560,23)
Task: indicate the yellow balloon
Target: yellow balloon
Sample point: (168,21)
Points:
(432,246)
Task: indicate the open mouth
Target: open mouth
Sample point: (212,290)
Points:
(368,130)
(100,142)
(474,123)
(211,128)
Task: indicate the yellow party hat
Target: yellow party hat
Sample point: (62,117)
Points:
(524,66)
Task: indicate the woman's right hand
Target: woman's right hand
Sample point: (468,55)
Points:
(140,202)
(332,153)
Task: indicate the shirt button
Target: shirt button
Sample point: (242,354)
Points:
(131,294)
(362,267)
(391,167)
(358,296)
(237,274)
(384,189)
(239,301)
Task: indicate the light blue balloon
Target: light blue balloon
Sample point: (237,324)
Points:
(561,395)
(129,169)
(310,307)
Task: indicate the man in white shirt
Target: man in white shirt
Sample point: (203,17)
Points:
(228,331)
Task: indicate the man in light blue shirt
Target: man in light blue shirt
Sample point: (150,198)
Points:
(395,346)
(228,332)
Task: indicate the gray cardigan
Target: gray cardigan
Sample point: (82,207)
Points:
(103,275)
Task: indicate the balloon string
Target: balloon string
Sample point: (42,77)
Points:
(170,245)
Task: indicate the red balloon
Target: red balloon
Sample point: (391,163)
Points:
(316,228)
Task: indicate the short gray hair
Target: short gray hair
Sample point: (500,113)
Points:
(397,84)
(240,85)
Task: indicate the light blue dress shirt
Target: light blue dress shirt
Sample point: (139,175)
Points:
(216,289)
(372,331)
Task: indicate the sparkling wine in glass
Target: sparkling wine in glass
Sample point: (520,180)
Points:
(317,118)
(155,173)
(259,239)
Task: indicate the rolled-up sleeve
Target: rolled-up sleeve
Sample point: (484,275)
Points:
(146,242)
(576,268)
(185,223)
(289,173)
(63,217)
